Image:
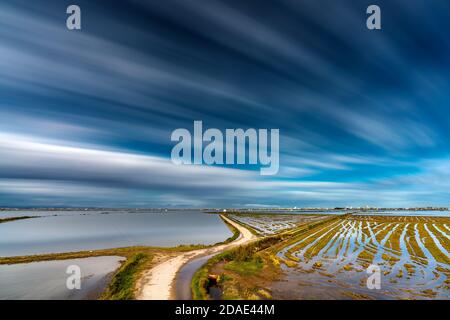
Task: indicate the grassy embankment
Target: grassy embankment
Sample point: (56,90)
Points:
(126,252)
(242,272)
(4,220)
(123,283)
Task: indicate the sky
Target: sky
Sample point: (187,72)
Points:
(86,115)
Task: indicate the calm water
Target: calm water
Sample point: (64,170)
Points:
(74,231)
(47,280)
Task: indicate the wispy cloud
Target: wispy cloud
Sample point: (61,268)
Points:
(86,117)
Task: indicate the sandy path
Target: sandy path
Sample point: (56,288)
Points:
(156,283)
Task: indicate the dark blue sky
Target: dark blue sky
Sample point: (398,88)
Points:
(86,116)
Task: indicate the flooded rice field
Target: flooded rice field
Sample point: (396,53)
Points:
(269,224)
(331,260)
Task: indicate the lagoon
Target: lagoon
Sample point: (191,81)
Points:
(66,231)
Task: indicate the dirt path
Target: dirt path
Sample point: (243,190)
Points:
(156,283)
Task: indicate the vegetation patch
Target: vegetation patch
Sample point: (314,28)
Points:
(245,268)
(122,285)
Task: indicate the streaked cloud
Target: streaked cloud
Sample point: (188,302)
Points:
(86,117)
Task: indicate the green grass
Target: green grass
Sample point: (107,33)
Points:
(122,285)
(199,284)
(245,268)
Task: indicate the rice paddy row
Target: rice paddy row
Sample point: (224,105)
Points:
(266,225)
(412,253)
